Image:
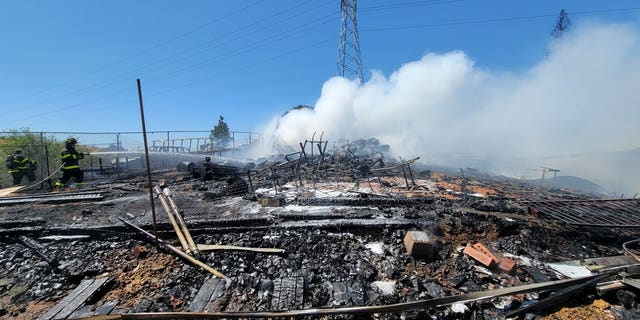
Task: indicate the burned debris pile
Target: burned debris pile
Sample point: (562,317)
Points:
(347,233)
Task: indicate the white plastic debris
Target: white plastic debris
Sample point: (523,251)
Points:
(386,288)
(376,247)
(459,307)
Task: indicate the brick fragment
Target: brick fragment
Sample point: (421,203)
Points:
(480,247)
(478,255)
(139,252)
(506,265)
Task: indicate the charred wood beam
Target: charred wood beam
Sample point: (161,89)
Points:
(181,223)
(39,250)
(172,219)
(176,250)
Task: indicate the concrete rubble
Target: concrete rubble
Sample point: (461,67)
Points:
(346,234)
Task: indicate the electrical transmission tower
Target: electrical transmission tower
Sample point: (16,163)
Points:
(563,24)
(349,58)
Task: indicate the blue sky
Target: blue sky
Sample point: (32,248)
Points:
(72,65)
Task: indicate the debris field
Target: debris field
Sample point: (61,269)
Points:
(348,234)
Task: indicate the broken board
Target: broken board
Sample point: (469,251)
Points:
(288,293)
(7,191)
(210,296)
(75,299)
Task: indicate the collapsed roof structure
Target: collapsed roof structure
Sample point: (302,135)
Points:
(343,234)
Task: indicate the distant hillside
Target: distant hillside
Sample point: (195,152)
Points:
(573,183)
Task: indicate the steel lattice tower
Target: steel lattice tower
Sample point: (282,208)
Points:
(349,58)
(562,24)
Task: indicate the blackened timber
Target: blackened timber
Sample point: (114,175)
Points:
(218,299)
(203,296)
(288,293)
(176,250)
(39,250)
(75,299)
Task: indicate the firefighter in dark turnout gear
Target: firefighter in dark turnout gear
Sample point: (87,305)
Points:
(70,166)
(20,166)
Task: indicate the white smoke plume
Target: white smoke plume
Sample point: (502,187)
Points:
(583,98)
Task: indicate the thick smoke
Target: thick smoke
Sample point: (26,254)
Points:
(580,103)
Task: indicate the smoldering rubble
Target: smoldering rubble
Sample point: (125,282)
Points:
(347,233)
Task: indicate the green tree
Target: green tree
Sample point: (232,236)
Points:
(220,133)
(34,145)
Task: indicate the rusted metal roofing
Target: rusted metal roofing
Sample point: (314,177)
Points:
(590,212)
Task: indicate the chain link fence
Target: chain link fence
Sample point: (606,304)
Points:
(109,153)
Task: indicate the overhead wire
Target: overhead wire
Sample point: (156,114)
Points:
(158,45)
(404,5)
(260,43)
(253,46)
(505,19)
(251,32)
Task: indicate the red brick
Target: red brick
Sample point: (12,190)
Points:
(480,247)
(478,256)
(506,265)
(419,244)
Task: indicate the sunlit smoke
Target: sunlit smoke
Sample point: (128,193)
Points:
(582,98)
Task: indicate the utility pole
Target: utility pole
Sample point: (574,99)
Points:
(544,171)
(562,24)
(349,57)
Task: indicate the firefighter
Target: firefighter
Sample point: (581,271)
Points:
(208,169)
(70,166)
(20,166)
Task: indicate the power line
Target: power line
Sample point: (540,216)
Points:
(126,74)
(444,24)
(405,5)
(163,43)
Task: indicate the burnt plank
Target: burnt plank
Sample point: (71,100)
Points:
(218,299)
(66,300)
(83,312)
(106,308)
(203,296)
(81,298)
(288,293)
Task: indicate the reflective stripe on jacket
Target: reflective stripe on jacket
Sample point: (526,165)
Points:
(18,164)
(70,159)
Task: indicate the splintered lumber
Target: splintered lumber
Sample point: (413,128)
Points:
(208,247)
(75,299)
(183,225)
(210,296)
(176,250)
(176,227)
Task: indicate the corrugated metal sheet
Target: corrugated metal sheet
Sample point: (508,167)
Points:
(592,212)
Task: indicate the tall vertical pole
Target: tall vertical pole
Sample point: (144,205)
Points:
(146,153)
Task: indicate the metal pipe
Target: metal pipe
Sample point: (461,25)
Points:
(146,153)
